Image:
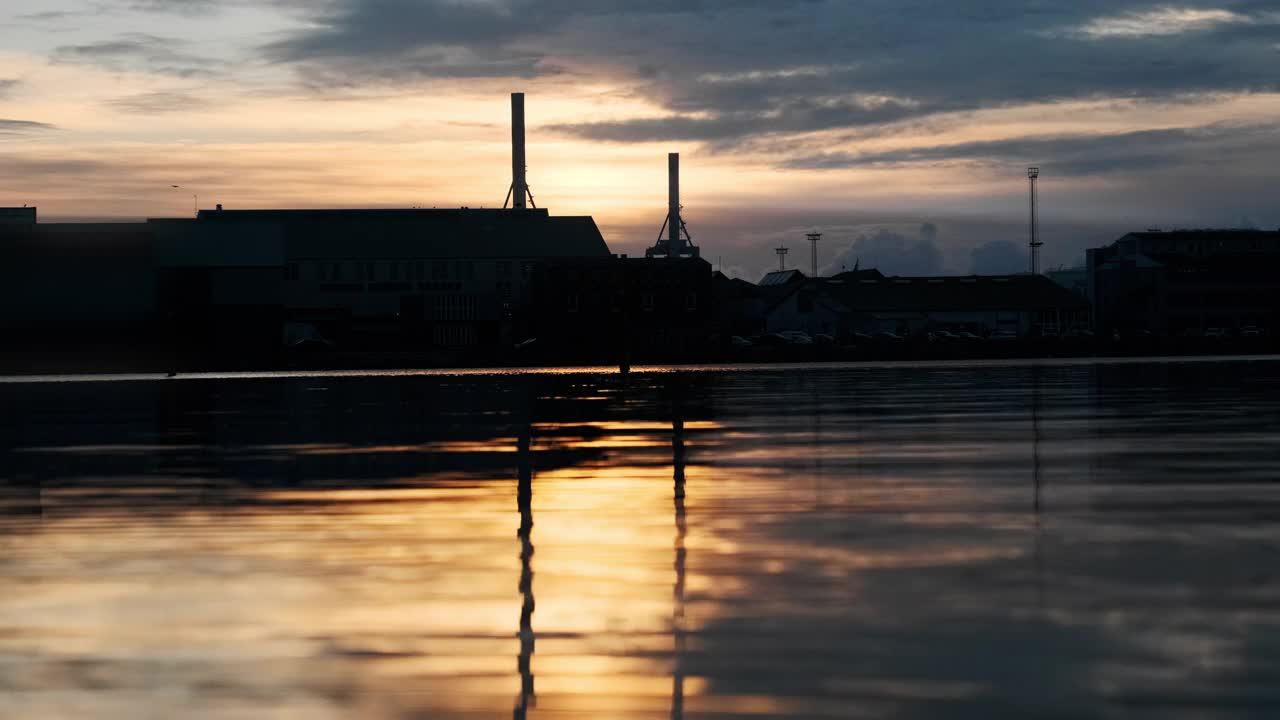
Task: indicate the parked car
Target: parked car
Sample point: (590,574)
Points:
(823,339)
(888,336)
(796,337)
(1217,333)
(966,335)
(944,335)
(1004,335)
(1250,331)
(740,342)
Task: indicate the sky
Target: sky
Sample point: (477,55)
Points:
(900,129)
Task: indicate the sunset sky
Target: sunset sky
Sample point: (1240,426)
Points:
(901,129)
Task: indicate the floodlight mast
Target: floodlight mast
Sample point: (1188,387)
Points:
(1033,174)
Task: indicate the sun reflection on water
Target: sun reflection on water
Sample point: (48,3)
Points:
(823,544)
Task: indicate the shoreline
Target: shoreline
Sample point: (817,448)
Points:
(656,369)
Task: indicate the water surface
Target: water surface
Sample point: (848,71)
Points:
(971,541)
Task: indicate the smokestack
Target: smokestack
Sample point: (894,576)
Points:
(673,202)
(519,185)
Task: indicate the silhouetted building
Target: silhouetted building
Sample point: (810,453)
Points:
(862,302)
(17,216)
(444,278)
(1186,281)
(230,280)
(779,278)
(607,309)
(69,281)
(1076,280)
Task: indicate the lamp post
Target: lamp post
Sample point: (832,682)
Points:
(195,200)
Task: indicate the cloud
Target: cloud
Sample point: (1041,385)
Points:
(22,127)
(1157,22)
(159,102)
(1076,155)
(892,253)
(403,41)
(140,52)
(731,72)
(182,7)
(999,257)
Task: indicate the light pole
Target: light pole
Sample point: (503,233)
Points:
(1033,174)
(195,200)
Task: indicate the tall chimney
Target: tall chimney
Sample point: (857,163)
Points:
(519,185)
(674,241)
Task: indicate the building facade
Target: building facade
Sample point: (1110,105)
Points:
(1187,282)
(864,303)
(231,281)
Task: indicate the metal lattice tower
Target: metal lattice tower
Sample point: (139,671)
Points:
(782,258)
(813,239)
(1033,174)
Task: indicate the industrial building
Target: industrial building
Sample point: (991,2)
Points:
(867,302)
(1187,282)
(238,286)
(615,309)
(231,281)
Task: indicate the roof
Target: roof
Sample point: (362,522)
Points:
(781,277)
(411,233)
(364,214)
(868,274)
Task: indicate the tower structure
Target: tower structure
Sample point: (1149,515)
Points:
(813,254)
(1033,174)
(677,242)
(782,258)
(519,190)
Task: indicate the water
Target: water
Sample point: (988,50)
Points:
(981,541)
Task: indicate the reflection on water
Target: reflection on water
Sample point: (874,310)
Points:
(983,541)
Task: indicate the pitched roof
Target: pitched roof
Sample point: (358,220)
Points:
(781,277)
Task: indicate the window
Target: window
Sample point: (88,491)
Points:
(573,303)
(394,271)
(528,268)
(439,270)
(291,271)
(646,302)
(335,272)
(691,302)
(419,271)
(370,272)
(503,269)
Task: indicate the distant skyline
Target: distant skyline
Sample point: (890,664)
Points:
(901,129)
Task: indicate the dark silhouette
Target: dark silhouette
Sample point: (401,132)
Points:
(679,637)
(524,502)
